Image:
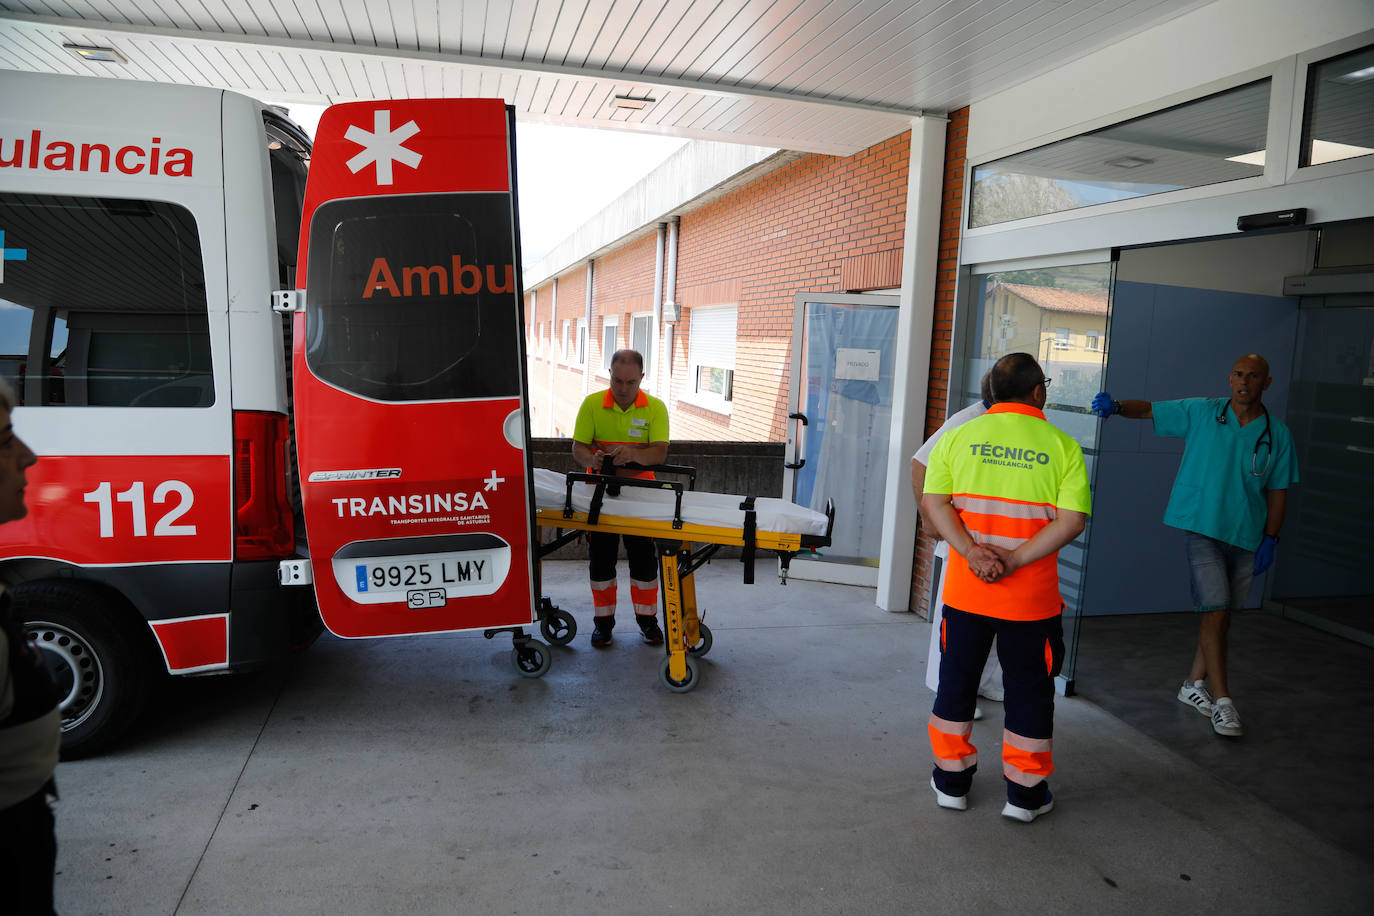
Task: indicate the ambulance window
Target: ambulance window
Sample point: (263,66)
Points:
(102,303)
(414,298)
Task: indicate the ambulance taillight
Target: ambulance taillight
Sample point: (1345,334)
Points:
(263,525)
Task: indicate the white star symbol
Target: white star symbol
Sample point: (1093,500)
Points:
(492,482)
(382,145)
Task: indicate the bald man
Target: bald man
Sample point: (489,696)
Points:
(1229,498)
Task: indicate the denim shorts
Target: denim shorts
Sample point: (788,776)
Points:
(1219,573)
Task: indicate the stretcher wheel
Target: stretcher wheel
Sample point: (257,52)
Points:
(531,659)
(558,627)
(684,685)
(704,646)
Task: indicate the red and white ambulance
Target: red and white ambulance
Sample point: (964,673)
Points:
(152,315)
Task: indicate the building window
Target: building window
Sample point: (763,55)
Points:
(1062,339)
(711,356)
(1338,117)
(1202,142)
(642,339)
(563,341)
(1092,340)
(610,330)
(580,354)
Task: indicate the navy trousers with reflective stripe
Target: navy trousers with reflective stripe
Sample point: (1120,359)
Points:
(1027,678)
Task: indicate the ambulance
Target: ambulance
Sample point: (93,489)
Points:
(248,368)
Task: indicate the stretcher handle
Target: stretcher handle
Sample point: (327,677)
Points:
(602,482)
(812,540)
(688,472)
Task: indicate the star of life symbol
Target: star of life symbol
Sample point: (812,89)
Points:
(493,482)
(382,146)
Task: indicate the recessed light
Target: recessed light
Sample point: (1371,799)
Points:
(106,55)
(1356,76)
(631,101)
(1255,158)
(1129,162)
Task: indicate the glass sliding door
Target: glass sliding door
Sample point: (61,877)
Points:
(842,373)
(1060,315)
(1323,579)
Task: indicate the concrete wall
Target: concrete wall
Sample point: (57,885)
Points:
(746,468)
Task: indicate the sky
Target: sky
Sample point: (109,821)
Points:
(566,175)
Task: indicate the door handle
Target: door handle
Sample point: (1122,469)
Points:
(792,466)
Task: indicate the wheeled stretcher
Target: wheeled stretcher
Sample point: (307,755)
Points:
(676,517)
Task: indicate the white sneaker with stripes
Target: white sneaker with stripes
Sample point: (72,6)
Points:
(1225,719)
(1195,695)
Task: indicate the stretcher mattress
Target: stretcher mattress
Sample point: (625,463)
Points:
(720,510)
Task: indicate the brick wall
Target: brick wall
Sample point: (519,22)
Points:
(956,141)
(814,224)
(791,231)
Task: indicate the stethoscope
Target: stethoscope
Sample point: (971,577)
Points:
(1254,456)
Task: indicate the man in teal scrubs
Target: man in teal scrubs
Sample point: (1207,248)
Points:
(1229,498)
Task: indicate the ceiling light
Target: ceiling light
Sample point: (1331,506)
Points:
(1356,76)
(633,102)
(107,55)
(1129,162)
(1330,151)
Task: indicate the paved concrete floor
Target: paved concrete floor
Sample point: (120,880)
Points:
(1301,694)
(422,775)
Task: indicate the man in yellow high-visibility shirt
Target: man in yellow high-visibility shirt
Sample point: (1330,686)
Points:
(628,426)
(1007,490)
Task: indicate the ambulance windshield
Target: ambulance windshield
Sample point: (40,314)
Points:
(414,298)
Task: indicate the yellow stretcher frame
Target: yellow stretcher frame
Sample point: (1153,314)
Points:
(686,638)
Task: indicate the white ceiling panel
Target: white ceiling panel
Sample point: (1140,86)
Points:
(828,76)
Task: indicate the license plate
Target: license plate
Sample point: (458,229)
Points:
(397,574)
(403,571)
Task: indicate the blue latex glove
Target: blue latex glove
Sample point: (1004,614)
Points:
(1104,406)
(1264,557)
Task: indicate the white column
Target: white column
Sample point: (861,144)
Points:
(915,322)
(587,369)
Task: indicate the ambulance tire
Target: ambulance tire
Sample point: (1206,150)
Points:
(95,656)
(532,659)
(687,683)
(558,627)
(704,646)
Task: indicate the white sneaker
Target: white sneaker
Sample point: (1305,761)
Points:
(1026,815)
(992,692)
(1225,719)
(1196,696)
(977,713)
(952,802)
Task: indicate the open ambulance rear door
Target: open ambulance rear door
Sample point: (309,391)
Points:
(410,388)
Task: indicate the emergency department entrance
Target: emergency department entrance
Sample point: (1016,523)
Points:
(1167,321)
(1141,252)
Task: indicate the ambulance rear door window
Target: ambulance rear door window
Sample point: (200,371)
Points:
(414,298)
(102,303)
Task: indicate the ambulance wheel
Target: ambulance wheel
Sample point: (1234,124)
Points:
(684,685)
(558,626)
(101,670)
(532,659)
(704,646)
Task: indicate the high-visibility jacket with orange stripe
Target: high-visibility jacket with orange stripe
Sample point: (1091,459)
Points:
(601,422)
(1008,473)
